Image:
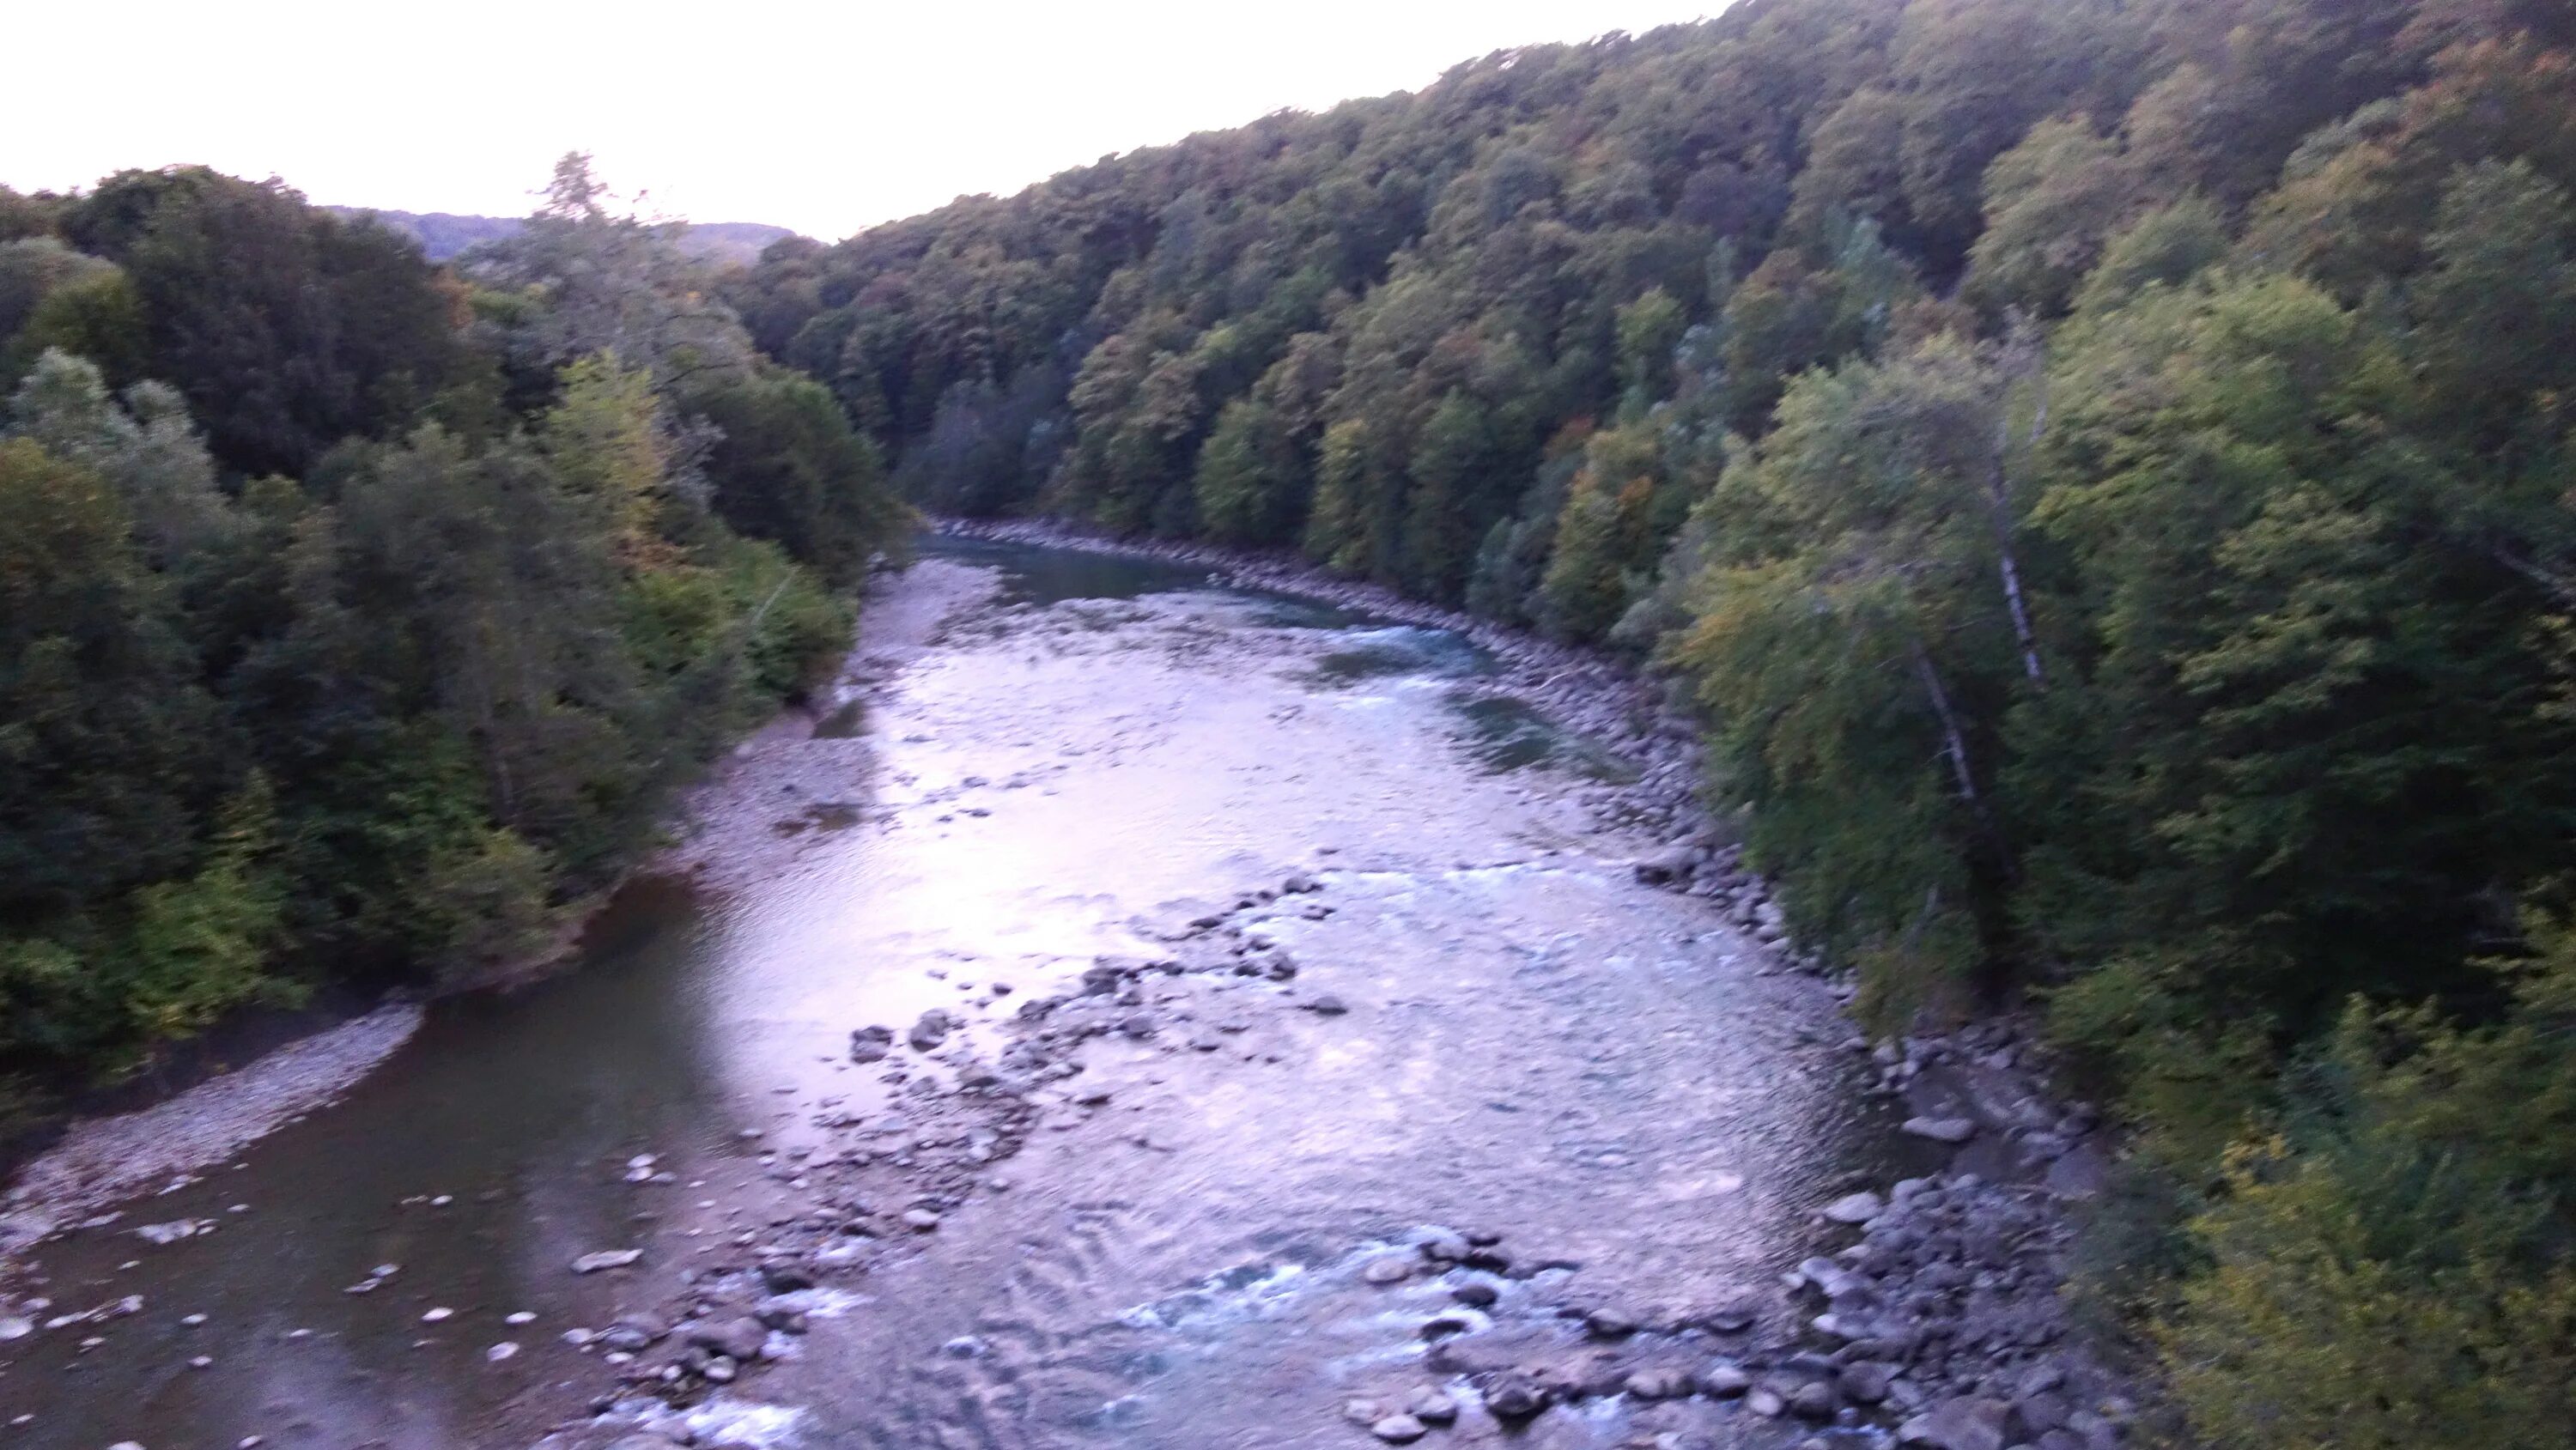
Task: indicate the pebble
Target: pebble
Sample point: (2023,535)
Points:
(506,1349)
(920,1220)
(605,1259)
(434,1316)
(1942,1130)
(1399,1429)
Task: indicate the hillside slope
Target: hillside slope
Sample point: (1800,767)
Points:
(2103,468)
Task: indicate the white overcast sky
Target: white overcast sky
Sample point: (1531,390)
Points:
(822,117)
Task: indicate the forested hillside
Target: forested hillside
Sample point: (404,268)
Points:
(355,612)
(444,235)
(2104,470)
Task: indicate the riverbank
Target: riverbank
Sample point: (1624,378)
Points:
(103,1162)
(719,838)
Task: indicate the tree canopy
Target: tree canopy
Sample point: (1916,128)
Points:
(357,613)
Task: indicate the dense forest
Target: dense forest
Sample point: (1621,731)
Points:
(2106,471)
(357,612)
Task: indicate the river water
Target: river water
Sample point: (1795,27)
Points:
(1043,757)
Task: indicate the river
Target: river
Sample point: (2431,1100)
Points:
(1044,759)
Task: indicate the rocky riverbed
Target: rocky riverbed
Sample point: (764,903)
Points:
(1138,1012)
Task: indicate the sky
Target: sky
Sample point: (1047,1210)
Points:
(827,118)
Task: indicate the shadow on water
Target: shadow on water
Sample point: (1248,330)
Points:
(1506,735)
(479,1161)
(1040,576)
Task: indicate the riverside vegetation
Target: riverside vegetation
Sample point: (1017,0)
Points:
(2100,469)
(356,613)
(2103,471)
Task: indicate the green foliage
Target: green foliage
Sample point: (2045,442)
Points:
(2395,1270)
(284,327)
(789,468)
(393,722)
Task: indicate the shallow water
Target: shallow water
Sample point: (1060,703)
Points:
(1535,1045)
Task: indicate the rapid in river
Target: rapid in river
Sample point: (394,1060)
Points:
(1362,1063)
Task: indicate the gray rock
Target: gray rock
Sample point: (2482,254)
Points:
(605,1259)
(1666,868)
(1767,1403)
(1476,1294)
(634,1332)
(871,1044)
(1432,1407)
(736,1339)
(1964,1423)
(1725,1380)
(1732,1318)
(785,1277)
(1399,1429)
(1388,1269)
(931,1030)
(1942,1130)
(1607,1323)
(1442,1245)
(1660,1383)
(2040,1413)
(1517,1397)
(1866,1381)
(920,1220)
(2043,1378)
(1325,1005)
(1813,1400)
(1854,1208)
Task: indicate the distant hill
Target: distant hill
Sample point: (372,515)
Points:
(444,234)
